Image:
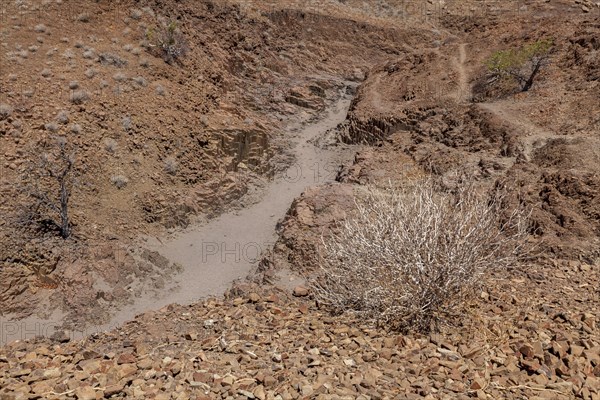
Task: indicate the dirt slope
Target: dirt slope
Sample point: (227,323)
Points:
(420,109)
(158,146)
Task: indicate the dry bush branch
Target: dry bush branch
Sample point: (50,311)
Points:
(48,182)
(410,255)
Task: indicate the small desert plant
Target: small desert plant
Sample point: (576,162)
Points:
(79,97)
(5,111)
(48,182)
(90,73)
(40,28)
(119,77)
(46,73)
(171,165)
(51,127)
(62,117)
(127,123)
(111,145)
(169,41)
(73,85)
(83,17)
(112,59)
(140,80)
(120,181)
(89,54)
(160,90)
(522,65)
(75,128)
(410,256)
(136,14)
(68,54)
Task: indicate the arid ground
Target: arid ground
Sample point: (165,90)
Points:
(205,174)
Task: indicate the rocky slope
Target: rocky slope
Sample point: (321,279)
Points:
(158,146)
(533,332)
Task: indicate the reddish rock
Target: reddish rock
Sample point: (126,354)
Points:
(300,291)
(126,358)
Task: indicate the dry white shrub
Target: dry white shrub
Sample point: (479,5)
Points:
(410,256)
(5,111)
(171,165)
(120,181)
(79,96)
(62,117)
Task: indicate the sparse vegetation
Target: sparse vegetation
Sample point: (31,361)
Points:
(169,40)
(5,111)
(119,77)
(51,127)
(120,181)
(411,256)
(523,65)
(140,80)
(136,14)
(46,73)
(75,128)
(112,59)
(40,28)
(83,17)
(110,145)
(89,54)
(171,165)
(62,117)
(90,73)
(68,54)
(127,123)
(48,182)
(79,97)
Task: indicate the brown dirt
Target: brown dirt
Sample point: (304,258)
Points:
(192,138)
(233,111)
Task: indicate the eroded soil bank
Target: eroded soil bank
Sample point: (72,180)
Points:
(207,258)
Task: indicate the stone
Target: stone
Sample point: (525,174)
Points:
(253,297)
(52,373)
(300,291)
(478,383)
(259,393)
(126,358)
(527,351)
(85,393)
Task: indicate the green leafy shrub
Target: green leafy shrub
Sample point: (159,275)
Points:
(523,64)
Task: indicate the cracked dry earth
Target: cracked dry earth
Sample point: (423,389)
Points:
(533,332)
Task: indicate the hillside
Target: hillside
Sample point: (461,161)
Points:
(220,166)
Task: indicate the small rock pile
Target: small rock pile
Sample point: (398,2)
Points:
(263,343)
